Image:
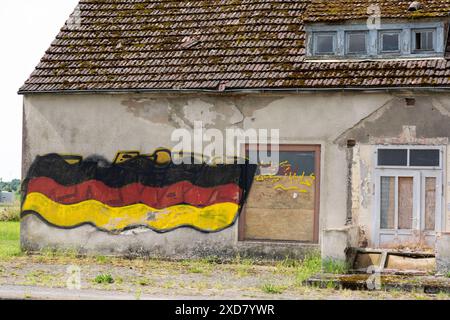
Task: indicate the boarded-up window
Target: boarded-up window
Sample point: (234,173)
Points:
(387,203)
(430,203)
(282,207)
(405,202)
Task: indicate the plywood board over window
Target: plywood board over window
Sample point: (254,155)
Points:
(285,206)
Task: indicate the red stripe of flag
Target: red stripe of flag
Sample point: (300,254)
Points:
(158,198)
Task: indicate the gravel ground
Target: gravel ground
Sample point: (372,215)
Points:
(159,279)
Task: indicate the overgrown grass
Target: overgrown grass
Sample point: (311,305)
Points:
(9,239)
(335,267)
(311,265)
(10,213)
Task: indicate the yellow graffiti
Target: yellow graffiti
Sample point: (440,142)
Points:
(284,188)
(264,178)
(209,219)
(299,181)
(124,156)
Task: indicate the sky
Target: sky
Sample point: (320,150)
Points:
(27,27)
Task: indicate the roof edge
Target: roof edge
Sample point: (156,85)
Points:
(239,90)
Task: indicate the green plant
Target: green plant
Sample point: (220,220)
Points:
(102,259)
(195,269)
(311,265)
(447,274)
(144,282)
(104,279)
(272,289)
(289,263)
(242,265)
(335,267)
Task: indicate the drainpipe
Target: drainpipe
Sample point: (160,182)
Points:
(350,150)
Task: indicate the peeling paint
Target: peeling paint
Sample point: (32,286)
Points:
(390,121)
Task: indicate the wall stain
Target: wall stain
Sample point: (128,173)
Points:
(214,112)
(431,120)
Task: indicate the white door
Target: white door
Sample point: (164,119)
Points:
(408,205)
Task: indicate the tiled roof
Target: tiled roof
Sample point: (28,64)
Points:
(339,10)
(206,44)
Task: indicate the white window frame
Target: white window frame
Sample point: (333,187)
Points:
(413,40)
(316,34)
(380,41)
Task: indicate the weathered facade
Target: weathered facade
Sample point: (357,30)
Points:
(345,128)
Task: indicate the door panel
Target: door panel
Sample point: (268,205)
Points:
(405,202)
(388,205)
(397,211)
(430,203)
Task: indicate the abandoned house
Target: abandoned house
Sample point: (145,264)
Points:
(359,90)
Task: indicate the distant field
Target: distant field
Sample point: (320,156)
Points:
(9,239)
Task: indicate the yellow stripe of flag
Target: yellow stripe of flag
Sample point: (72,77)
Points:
(208,219)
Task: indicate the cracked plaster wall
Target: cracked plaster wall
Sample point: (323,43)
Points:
(104,124)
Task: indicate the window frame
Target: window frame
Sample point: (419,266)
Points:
(324,33)
(413,40)
(374,48)
(409,148)
(380,236)
(347,42)
(380,35)
(317,149)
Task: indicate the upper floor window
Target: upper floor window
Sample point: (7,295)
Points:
(409,157)
(324,43)
(417,39)
(356,42)
(423,40)
(389,41)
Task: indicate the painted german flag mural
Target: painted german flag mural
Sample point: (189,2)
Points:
(135,191)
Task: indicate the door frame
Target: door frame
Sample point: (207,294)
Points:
(294,148)
(409,171)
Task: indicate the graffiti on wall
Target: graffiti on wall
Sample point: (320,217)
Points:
(135,191)
(288,179)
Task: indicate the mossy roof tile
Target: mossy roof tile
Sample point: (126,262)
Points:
(138,44)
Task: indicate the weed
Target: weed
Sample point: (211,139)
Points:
(103,259)
(311,265)
(104,279)
(270,288)
(144,282)
(335,267)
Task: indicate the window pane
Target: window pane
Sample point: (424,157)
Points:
(387,203)
(356,42)
(390,42)
(405,202)
(325,43)
(424,40)
(425,158)
(392,157)
(430,203)
(291,163)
